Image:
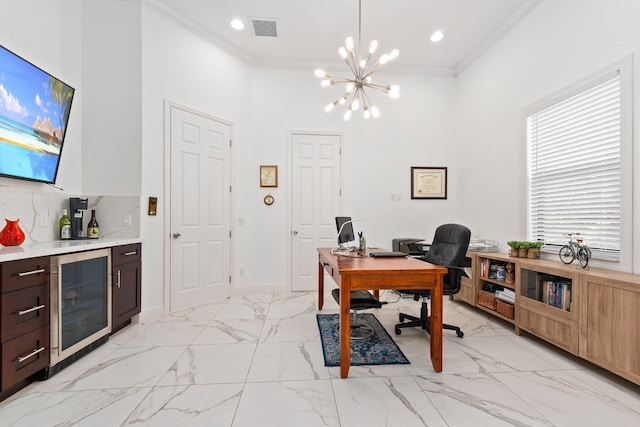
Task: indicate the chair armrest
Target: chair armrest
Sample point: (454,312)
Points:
(459,270)
(452,268)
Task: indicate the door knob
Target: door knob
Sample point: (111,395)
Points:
(295,232)
(176,235)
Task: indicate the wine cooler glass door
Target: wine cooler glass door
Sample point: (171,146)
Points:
(83,301)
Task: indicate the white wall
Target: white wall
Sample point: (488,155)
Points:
(416,130)
(265,104)
(111,97)
(47,34)
(559,43)
(181,67)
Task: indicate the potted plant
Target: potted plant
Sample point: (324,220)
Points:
(523,249)
(514,245)
(534,250)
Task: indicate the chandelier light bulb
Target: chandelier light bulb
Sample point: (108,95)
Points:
(375,112)
(329,107)
(347,115)
(326,83)
(342,101)
(394,54)
(366,113)
(349,44)
(343,52)
(368,80)
(320,73)
(384,58)
(394,91)
(355,104)
(349,87)
(373,46)
(363,64)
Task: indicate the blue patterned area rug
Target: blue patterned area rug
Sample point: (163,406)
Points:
(379,349)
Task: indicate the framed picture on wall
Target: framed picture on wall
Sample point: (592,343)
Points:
(428,182)
(268,176)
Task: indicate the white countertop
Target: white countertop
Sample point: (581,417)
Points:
(57,247)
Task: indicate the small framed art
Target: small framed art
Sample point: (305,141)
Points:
(268,176)
(428,182)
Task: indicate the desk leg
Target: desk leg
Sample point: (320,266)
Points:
(435,324)
(345,326)
(320,284)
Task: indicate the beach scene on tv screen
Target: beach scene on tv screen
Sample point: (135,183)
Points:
(34,110)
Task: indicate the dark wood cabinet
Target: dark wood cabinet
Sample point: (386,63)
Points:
(24,315)
(126,268)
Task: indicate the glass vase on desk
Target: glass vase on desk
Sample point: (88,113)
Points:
(363,245)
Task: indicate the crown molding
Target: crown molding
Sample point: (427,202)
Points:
(200,31)
(498,34)
(235,51)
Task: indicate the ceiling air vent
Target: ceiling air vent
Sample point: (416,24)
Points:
(264,27)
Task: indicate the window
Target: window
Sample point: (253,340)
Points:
(574,167)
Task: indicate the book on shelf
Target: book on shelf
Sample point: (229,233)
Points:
(484,268)
(557,294)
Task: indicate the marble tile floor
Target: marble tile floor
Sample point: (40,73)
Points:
(257,361)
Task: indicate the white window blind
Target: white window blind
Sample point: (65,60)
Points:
(574,169)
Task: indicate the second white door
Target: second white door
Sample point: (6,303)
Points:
(315,202)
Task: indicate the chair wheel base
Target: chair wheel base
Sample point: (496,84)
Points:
(358,332)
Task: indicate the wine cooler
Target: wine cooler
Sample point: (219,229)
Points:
(80,305)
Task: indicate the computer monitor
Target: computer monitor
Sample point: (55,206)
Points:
(344,226)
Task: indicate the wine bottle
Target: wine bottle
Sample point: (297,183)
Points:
(65,226)
(93,229)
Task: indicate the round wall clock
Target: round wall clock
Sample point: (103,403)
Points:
(268,200)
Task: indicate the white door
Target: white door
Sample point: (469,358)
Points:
(200,209)
(315,202)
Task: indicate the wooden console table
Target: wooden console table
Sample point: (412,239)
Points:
(353,273)
(596,319)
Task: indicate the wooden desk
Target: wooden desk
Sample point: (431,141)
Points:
(367,273)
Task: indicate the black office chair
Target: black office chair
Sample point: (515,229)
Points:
(448,249)
(360,300)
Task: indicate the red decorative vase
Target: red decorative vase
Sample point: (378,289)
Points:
(11,234)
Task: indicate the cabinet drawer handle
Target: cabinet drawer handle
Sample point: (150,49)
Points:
(29,310)
(118,279)
(33,353)
(29,273)
(131,253)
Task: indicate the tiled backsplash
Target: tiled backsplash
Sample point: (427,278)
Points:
(39,213)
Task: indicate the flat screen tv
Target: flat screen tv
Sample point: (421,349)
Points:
(34,112)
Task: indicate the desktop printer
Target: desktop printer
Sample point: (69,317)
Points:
(410,246)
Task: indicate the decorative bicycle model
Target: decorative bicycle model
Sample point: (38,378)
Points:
(575,250)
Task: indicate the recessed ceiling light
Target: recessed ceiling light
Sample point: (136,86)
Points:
(437,36)
(237,24)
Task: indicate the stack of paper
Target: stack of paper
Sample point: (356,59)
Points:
(506,295)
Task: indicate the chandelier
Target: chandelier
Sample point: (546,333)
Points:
(355,95)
